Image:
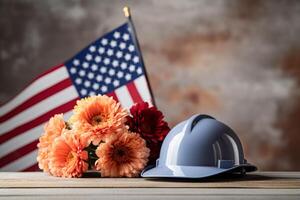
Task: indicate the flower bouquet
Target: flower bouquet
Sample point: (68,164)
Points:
(102,136)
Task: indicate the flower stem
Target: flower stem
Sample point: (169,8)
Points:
(91,149)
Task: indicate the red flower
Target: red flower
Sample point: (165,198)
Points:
(149,123)
(154,151)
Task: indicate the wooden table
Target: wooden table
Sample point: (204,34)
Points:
(259,185)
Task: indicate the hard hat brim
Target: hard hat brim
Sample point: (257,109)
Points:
(192,172)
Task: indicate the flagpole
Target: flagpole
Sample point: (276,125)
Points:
(135,40)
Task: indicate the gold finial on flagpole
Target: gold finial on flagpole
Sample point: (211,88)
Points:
(126,10)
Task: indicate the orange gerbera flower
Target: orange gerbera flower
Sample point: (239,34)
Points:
(98,116)
(52,129)
(122,155)
(68,157)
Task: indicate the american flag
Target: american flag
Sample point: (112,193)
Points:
(111,65)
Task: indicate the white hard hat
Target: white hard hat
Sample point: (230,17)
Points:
(199,147)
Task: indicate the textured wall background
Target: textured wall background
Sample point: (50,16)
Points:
(236,60)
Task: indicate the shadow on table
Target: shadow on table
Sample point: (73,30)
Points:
(220,178)
(91,174)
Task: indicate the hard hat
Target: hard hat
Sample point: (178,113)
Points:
(199,147)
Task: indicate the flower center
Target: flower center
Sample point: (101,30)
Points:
(70,157)
(120,152)
(146,128)
(119,155)
(68,126)
(96,120)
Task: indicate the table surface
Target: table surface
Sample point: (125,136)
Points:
(19,185)
(254,180)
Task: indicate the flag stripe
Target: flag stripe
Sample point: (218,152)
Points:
(21,163)
(68,114)
(34,167)
(24,138)
(18,153)
(21,140)
(35,87)
(38,109)
(134,93)
(35,122)
(124,97)
(36,78)
(37,98)
(143,88)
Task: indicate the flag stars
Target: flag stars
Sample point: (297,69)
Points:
(125,36)
(83,92)
(122,45)
(139,70)
(111,72)
(94,67)
(73,70)
(92,49)
(88,57)
(113,43)
(115,63)
(96,86)
(106,61)
(90,75)
(81,73)
(76,62)
(101,50)
(117,35)
(116,83)
(124,65)
(120,74)
(128,77)
(110,52)
(107,80)
(131,48)
(99,78)
(136,59)
(103,69)
(131,68)
(87,83)
(104,41)
(106,65)
(97,59)
(104,88)
(92,93)
(127,56)
(119,54)
(85,65)
(78,80)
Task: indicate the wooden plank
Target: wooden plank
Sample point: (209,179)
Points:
(148,193)
(280,180)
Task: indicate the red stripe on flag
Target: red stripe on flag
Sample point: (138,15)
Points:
(34,167)
(18,153)
(37,121)
(40,76)
(37,98)
(134,93)
(113,95)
